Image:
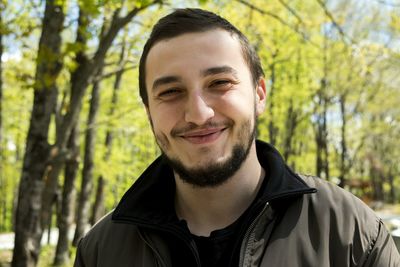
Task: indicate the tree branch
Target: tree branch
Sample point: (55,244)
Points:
(270,14)
(292,11)
(110,74)
(386,3)
(335,24)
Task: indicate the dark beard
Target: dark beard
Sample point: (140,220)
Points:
(216,174)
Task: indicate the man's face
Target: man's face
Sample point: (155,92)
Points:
(202,104)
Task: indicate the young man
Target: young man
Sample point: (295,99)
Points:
(216,196)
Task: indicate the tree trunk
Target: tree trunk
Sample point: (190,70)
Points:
(321,110)
(392,193)
(63,130)
(28,227)
(291,124)
(3,186)
(80,80)
(98,207)
(65,218)
(114,102)
(322,164)
(272,129)
(377,183)
(343,156)
(1,91)
(87,172)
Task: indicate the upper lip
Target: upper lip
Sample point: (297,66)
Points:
(202,132)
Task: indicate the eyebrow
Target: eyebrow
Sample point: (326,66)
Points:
(219,70)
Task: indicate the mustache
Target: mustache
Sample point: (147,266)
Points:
(181,130)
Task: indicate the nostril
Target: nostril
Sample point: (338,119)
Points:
(198,111)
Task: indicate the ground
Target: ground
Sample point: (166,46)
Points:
(45,260)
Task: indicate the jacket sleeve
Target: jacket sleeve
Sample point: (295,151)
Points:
(383,251)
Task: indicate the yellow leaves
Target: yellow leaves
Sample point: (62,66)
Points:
(62,4)
(73,48)
(395,22)
(142,3)
(92,7)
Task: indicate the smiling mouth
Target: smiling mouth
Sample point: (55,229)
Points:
(203,136)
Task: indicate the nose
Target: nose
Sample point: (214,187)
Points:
(198,111)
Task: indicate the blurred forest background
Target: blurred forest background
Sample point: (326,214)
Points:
(74,134)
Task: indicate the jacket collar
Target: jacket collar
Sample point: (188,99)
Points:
(281,182)
(150,201)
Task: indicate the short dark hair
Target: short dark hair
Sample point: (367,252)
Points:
(192,20)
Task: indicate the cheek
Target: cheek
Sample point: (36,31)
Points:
(164,119)
(237,104)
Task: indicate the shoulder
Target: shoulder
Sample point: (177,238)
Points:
(331,227)
(341,207)
(348,224)
(107,230)
(331,198)
(108,242)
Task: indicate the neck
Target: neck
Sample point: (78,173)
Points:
(211,208)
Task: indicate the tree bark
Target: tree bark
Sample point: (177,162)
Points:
(83,76)
(87,172)
(80,79)
(322,164)
(3,186)
(98,206)
(28,228)
(65,218)
(377,182)
(86,70)
(60,150)
(343,143)
(1,89)
(291,124)
(272,129)
(392,192)
(321,110)
(114,101)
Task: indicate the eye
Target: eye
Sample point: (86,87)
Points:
(169,93)
(221,83)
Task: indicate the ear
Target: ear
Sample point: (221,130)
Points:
(261,95)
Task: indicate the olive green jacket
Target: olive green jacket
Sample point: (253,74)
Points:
(298,222)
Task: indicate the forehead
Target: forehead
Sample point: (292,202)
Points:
(193,51)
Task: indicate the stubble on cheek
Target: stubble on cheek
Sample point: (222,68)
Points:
(162,141)
(161,138)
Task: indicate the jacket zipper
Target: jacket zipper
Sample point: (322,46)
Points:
(267,203)
(175,232)
(159,260)
(248,233)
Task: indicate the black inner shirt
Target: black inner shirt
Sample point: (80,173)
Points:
(222,247)
(216,250)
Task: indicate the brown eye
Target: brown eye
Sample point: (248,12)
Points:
(221,83)
(169,94)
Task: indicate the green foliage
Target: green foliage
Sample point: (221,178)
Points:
(299,48)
